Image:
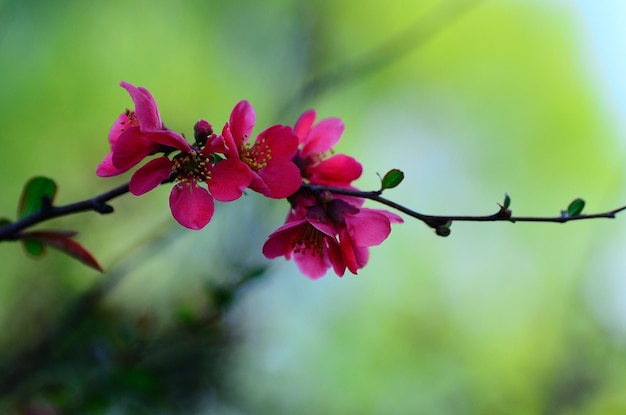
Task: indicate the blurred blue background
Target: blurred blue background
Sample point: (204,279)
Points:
(469,99)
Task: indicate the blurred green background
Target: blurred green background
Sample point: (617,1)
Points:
(469,99)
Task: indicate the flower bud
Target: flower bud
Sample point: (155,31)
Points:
(201,131)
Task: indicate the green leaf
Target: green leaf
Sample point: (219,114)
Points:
(33,195)
(34,247)
(576,207)
(507,201)
(4,222)
(391,179)
(61,240)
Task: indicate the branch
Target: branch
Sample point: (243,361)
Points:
(438,221)
(98,203)
(425,28)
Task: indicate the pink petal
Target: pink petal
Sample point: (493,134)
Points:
(355,256)
(169,138)
(393,218)
(323,136)
(325,228)
(347,250)
(145,108)
(338,170)
(229,178)
(150,175)
(336,259)
(367,228)
(304,124)
(313,266)
(280,242)
(130,148)
(192,206)
(278,180)
(281,142)
(242,121)
(215,144)
(232,149)
(106,168)
(121,124)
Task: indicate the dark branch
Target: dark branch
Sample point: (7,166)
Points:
(98,204)
(436,221)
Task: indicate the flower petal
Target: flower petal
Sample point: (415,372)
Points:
(304,124)
(279,141)
(232,150)
(336,259)
(107,169)
(280,242)
(313,266)
(146,108)
(150,175)
(169,138)
(215,144)
(229,178)
(355,256)
(242,121)
(393,218)
(130,148)
(192,206)
(368,227)
(277,180)
(339,170)
(323,136)
(126,120)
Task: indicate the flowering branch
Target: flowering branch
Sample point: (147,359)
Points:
(326,226)
(442,222)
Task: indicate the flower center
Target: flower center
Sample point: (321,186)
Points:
(131,121)
(256,155)
(191,167)
(309,241)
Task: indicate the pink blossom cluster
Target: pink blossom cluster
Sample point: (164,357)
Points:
(322,230)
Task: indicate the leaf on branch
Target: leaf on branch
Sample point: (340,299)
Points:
(444,230)
(391,179)
(507,201)
(35,243)
(36,191)
(576,207)
(4,222)
(34,247)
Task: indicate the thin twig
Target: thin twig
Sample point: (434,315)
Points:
(436,221)
(98,204)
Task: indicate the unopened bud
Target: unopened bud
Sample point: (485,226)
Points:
(325,197)
(201,131)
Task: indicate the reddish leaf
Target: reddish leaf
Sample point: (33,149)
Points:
(62,240)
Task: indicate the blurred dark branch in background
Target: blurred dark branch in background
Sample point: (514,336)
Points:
(423,30)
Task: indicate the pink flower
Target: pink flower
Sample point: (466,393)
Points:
(192,205)
(269,158)
(137,134)
(140,133)
(315,144)
(333,233)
